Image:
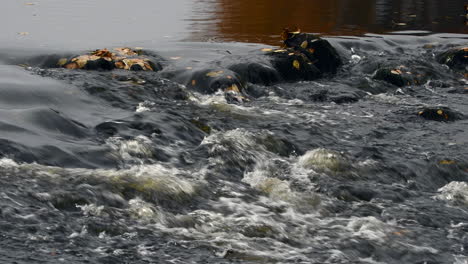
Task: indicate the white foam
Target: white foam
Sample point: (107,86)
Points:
(369,228)
(131,150)
(456,192)
(7,163)
(144,106)
(91,209)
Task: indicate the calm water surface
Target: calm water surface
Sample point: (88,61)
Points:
(55,23)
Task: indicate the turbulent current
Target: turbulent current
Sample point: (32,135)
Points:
(136,167)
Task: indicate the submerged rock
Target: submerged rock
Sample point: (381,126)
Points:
(103,59)
(440,114)
(256,72)
(209,81)
(399,76)
(456,59)
(324,160)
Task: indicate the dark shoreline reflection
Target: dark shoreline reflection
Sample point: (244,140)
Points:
(261,21)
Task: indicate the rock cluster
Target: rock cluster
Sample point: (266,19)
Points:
(103,59)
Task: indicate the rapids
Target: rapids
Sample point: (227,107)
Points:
(134,167)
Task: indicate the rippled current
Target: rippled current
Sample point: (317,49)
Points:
(134,167)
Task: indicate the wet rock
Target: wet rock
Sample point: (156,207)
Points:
(395,76)
(257,73)
(319,51)
(209,81)
(200,124)
(456,59)
(293,65)
(103,59)
(303,57)
(345,98)
(324,160)
(63,200)
(440,114)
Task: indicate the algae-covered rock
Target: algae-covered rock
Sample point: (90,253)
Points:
(439,114)
(456,59)
(324,160)
(103,59)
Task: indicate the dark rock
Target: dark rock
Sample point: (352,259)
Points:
(396,77)
(319,51)
(344,98)
(293,66)
(99,64)
(456,59)
(256,73)
(209,81)
(440,114)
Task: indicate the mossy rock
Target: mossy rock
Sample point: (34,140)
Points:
(325,160)
(201,125)
(161,190)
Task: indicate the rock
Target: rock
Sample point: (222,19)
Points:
(103,59)
(257,73)
(209,81)
(439,114)
(456,59)
(319,51)
(293,65)
(304,57)
(398,76)
(324,160)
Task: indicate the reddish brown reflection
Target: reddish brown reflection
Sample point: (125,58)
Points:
(261,20)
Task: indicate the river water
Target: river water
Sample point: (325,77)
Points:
(134,167)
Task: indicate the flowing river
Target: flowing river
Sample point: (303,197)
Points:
(135,167)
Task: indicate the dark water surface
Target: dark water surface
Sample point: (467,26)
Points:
(136,167)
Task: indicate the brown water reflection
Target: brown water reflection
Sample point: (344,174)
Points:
(262,20)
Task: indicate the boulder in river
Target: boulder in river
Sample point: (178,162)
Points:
(439,114)
(293,65)
(209,81)
(256,72)
(304,56)
(103,59)
(456,59)
(399,76)
(319,51)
